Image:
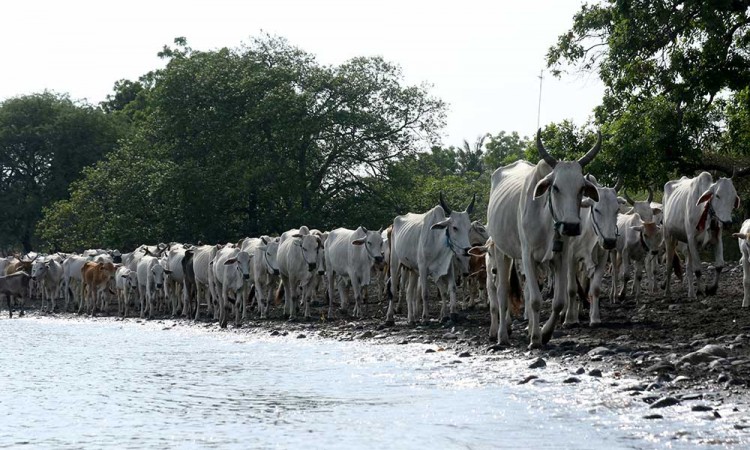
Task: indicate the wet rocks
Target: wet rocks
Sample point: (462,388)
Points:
(527,379)
(664,402)
(464,355)
(538,364)
(571,380)
(301,336)
(599,352)
(365,335)
(653,416)
(701,408)
(595,373)
(661,366)
(706,354)
(430,350)
(450,336)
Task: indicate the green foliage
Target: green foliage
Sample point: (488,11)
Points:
(45,140)
(668,68)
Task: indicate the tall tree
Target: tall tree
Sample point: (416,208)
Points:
(45,140)
(668,66)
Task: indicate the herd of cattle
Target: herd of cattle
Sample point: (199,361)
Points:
(547,224)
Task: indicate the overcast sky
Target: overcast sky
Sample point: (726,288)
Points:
(483,57)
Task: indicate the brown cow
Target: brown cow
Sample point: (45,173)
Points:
(15,285)
(96,277)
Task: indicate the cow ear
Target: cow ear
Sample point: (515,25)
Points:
(320,242)
(124,275)
(228,262)
(542,186)
(656,210)
(590,190)
(637,227)
(705,197)
(621,200)
(737,202)
(440,225)
(358,242)
(478,250)
(168,272)
(587,202)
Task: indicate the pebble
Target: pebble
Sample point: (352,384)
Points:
(600,351)
(464,355)
(367,334)
(664,402)
(275,333)
(527,379)
(580,371)
(693,396)
(661,366)
(301,336)
(595,373)
(653,416)
(723,378)
(430,350)
(538,364)
(450,336)
(701,408)
(403,342)
(571,380)
(680,379)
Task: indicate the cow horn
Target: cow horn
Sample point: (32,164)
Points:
(444,205)
(543,151)
(650,194)
(470,208)
(734,172)
(627,197)
(618,184)
(363,228)
(591,153)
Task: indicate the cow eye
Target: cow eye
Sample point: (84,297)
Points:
(598,212)
(455,228)
(555,188)
(717,197)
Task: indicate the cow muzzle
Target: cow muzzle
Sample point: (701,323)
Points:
(311,267)
(246,276)
(570,229)
(321,272)
(276,272)
(610,244)
(378,259)
(159,286)
(655,252)
(726,223)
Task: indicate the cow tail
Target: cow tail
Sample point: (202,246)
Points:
(515,296)
(677,266)
(279,293)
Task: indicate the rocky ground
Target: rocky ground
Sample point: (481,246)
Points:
(681,350)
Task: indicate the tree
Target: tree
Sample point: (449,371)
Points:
(668,67)
(45,140)
(504,148)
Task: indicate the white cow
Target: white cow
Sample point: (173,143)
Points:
(126,284)
(202,257)
(532,212)
(649,211)
(231,267)
(48,272)
(351,255)
(297,258)
(599,234)
(173,285)
(695,211)
(743,238)
(425,245)
(73,279)
(264,269)
(150,276)
(638,239)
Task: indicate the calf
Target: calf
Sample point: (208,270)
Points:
(48,273)
(150,276)
(126,284)
(96,277)
(636,241)
(14,286)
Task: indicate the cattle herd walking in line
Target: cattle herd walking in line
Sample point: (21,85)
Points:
(548,224)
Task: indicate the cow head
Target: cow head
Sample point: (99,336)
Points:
(565,187)
(311,247)
(372,242)
(478,234)
(721,198)
(651,236)
(603,214)
(648,210)
(270,249)
(157,271)
(456,227)
(242,259)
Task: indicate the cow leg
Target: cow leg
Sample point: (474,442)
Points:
(533,300)
(745,276)
(669,245)
(595,289)
(359,304)
(223,304)
(499,323)
(695,267)
(625,274)
(10,308)
(571,298)
(637,280)
(561,264)
(718,262)
(424,293)
(393,289)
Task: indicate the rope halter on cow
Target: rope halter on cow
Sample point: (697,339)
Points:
(598,228)
(458,251)
(268,262)
(299,244)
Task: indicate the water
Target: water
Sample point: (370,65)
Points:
(94,384)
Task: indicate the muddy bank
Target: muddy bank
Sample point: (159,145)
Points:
(666,354)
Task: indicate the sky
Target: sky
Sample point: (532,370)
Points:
(483,58)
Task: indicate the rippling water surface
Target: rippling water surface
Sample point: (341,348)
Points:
(71,384)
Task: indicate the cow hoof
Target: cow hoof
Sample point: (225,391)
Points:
(535,345)
(571,324)
(711,290)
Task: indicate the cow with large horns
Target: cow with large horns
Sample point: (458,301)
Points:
(532,211)
(424,246)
